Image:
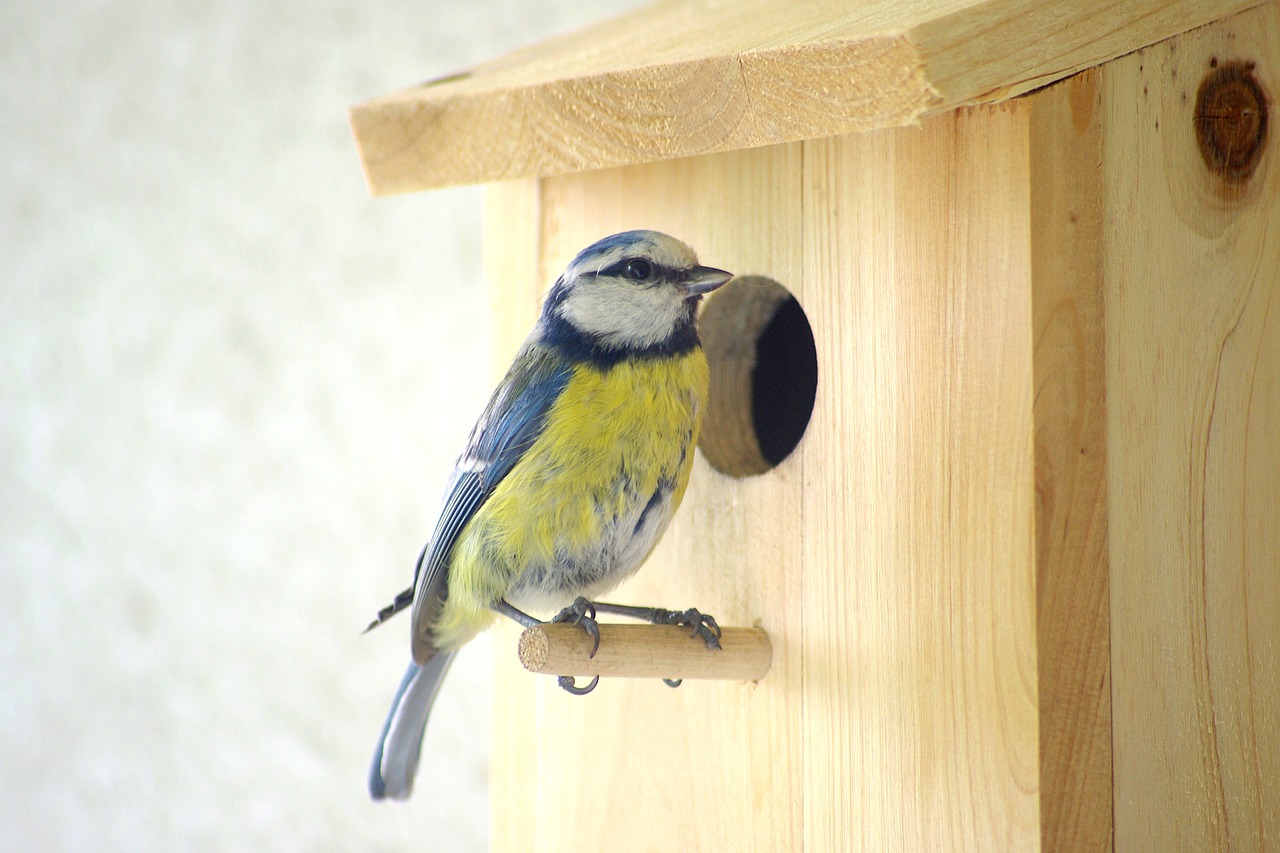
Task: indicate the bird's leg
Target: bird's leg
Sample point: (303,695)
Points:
(703,624)
(513,613)
(581,613)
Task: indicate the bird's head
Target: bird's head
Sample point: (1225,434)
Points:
(632,291)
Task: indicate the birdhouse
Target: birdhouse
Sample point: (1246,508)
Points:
(993,455)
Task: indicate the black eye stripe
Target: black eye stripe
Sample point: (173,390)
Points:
(620,270)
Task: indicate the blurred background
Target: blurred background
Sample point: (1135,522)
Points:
(231,388)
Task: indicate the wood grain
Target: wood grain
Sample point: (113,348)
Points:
(900,712)
(686,77)
(1072,584)
(919,708)
(1193,381)
(1022,575)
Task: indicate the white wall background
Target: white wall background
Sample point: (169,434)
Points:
(231,387)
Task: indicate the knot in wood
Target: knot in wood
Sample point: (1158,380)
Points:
(1231,120)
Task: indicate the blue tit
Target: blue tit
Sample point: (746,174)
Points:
(572,473)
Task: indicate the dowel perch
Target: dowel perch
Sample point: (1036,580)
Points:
(645,651)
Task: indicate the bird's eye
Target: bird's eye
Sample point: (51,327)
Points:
(637,269)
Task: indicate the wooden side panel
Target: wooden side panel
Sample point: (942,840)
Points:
(1072,590)
(1193,382)
(513,216)
(919,708)
(514,278)
(712,765)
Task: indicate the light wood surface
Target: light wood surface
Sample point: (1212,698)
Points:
(714,764)
(1022,576)
(900,711)
(1193,384)
(514,283)
(686,77)
(919,704)
(1072,589)
(645,651)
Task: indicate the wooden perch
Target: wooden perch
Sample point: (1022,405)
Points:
(645,651)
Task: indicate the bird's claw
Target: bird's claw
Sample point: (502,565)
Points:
(703,624)
(566,683)
(582,612)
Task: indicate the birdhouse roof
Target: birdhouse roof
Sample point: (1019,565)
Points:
(686,77)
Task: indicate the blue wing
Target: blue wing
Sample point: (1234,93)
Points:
(511,423)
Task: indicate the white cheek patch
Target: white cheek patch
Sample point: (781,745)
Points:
(623,314)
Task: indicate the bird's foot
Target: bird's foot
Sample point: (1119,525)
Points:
(581,612)
(703,624)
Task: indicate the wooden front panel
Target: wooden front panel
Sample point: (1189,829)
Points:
(919,704)
(890,557)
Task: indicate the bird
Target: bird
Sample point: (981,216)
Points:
(569,477)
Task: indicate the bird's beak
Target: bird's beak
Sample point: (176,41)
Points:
(702,280)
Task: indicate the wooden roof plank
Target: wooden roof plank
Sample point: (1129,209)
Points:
(685,77)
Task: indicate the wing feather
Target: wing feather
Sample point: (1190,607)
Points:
(512,421)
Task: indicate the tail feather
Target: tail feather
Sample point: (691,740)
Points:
(395,761)
(402,600)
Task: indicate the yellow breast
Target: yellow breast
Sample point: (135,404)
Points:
(614,437)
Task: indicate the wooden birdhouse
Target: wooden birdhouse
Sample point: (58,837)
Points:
(1016,541)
